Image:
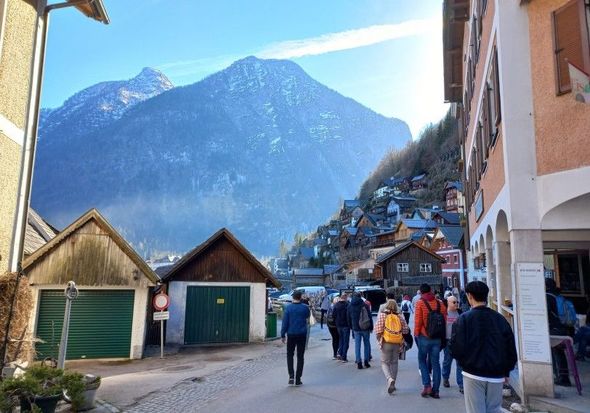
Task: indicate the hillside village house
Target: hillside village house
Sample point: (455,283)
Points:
(454,197)
(526,159)
(23,26)
(447,242)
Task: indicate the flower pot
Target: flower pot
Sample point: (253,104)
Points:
(89,396)
(47,404)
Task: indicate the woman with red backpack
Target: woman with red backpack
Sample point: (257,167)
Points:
(389,330)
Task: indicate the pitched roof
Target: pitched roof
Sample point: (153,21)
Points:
(93,215)
(454,184)
(402,247)
(418,177)
(331,269)
(308,272)
(223,232)
(419,223)
(453,234)
(450,218)
(38,233)
(351,203)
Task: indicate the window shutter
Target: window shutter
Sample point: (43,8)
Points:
(496,78)
(568,41)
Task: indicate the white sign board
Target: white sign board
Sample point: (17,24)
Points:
(161,315)
(532,313)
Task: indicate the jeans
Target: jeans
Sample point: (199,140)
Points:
(429,348)
(292,343)
(344,333)
(583,339)
(322,312)
(335,339)
(446,367)
(364,337)
(482,396)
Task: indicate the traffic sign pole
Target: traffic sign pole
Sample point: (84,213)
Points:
(161,303)
(162,338)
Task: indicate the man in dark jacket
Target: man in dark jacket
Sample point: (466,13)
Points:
(295,327)
(482,342)
(361,333)
(341,320)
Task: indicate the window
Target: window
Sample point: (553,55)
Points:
(455,258)
(425,267)
(403,267)
(570,42)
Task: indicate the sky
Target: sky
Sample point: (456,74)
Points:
(385,54)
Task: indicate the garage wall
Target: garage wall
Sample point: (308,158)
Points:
(139,313)
(177,292)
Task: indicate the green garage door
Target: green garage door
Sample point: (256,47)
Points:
(100,324)
(217,315)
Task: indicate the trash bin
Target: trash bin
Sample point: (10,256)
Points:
(271,325)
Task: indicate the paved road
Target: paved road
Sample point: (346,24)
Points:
(260,385)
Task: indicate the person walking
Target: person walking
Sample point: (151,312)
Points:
(341,321)
(416,298)
(453,313)
(361,323)
(324,307)
(294,326)
(430,330)
(331,323)
(407,307)
(389,331)
(482,342)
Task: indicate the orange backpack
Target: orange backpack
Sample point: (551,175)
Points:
(392,333)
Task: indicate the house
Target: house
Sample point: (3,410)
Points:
(453,193)
(525,159)
(447,242)
(399,206)
(108,317)
(446,218)
(39,233)
(360,272)
(333,274)
(419,182)
(21,56)
(308,276)
(221,279)
(406,227)
(385,239)
(410,264)
(346,212)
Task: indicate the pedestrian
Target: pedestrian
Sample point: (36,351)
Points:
(416,298)
(407,307)
(331,323)
(464,301)
(389,330)
(453,312)
(482,342)
(341,321)
(294,326)
(324,307)
(430,331)
(389,295)
(582,337)
(361,323)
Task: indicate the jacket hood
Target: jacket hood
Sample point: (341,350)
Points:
(428,296)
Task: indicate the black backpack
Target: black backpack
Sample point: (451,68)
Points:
(405,308)
(436,326)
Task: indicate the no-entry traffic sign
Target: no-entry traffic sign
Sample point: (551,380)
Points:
(161,302)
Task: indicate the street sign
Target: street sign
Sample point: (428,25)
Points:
(161,315)
(161,302)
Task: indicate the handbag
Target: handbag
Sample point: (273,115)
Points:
(312,320)
(408,339)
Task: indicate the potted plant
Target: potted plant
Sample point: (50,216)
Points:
(80,390)
(38,389)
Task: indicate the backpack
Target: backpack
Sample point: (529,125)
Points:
(565,310)
(436,326)
(331,321)
(405,307)
(364,319)
(392,332)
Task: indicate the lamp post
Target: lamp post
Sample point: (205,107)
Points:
(71,293)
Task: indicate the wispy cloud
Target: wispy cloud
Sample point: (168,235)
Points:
(313,46)
(350,39)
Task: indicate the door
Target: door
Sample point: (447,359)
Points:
(217,315)
(100,324)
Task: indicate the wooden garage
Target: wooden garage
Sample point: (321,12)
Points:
(218,294)
(108,317)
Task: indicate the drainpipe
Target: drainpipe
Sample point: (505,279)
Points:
(462,270)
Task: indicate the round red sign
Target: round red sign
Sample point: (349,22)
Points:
(161,302)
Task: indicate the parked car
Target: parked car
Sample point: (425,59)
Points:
(308,290)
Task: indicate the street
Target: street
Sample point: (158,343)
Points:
(261,385)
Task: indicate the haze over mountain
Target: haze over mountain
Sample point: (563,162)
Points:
(260,148)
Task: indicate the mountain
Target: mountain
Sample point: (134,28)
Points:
(260,148)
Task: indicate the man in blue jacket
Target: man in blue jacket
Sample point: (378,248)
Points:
(295,327)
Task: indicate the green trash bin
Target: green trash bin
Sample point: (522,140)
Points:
(271,325)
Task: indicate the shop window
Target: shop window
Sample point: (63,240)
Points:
(570,270)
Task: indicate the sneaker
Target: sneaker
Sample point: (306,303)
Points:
(461,390)
(426,391)
(338,357)
(291,381)
(367,365)
(446,383)
(390,386)
(344,360)
(434,395)
(359,365)
(298,382)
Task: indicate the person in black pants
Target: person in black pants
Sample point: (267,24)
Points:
(294,327)
(331,323)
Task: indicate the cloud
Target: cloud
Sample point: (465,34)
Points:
(350,39)
(313,46)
